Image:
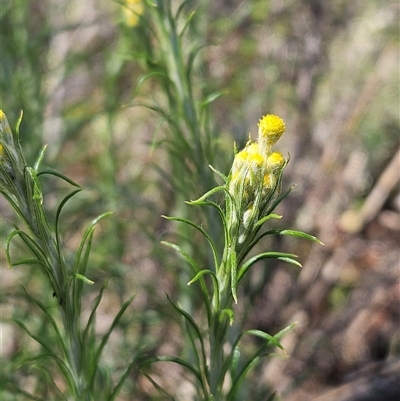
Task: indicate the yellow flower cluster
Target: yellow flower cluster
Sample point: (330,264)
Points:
(256,168)
(132,10)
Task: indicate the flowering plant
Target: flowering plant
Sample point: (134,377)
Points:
(252,191)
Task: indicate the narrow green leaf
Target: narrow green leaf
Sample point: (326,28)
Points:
(202,273)
(121,381)
(105,339)
(229,313)
(50,377)
(265,336)
(142,79)
(192,57)
(287,257)
(223,176)
(83,278)
(213,97)
(286,330)
(203,232)
(292,233)
(61,364)
(22,392)
(86,237)
(158,387)
(57,221)
(265,218)
(188,19)
(49,316)
(195,267)
(37,191)
(278,200)
(191,262)
(39,159)
(234,278)
(193,324)
(87,343)
(28,261)
(200,201)
(174,359)
(237,382)
(300,234)
(30,243)
(59,175)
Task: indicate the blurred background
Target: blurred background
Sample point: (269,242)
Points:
(330,70)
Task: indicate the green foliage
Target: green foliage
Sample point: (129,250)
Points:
(74,349)
(133,111)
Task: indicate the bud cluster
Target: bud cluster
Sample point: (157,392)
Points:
(254,180)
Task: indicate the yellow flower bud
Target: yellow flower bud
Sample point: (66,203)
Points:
(275,160)
(132,9)
(270,129)
(247,170)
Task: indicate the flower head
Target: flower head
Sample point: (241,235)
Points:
(270,129)
(132,10)
(247,171)
(275,160)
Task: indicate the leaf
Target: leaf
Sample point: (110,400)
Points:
(21,115)
(61,364)
(278,200)
(30,243)
(59,209)
(292,233)
(265,336)
(54,324)
(202,231)
(223,176)
(203,272)
(37,191)
(213,97)
(39,159)
(193,324)
(23,392)
(187,23)
(229,313)
(234,279)
(184,255)
(284,331)
(50,377)
(300,234)
(236,383)
(158,387)
(200,201)
(199,275)
(174,359)
(83,278)
(191,58)
(59,175)
(196,269)
(105,340)
(287,257)
(86,238)
(265,218)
